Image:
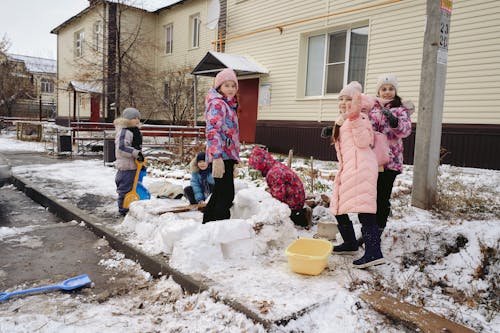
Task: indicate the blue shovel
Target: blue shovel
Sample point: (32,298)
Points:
(69,284)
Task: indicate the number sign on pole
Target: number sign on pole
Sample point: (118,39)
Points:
(431,101)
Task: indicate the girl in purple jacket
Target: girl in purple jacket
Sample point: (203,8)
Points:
(223,143)
(389,116)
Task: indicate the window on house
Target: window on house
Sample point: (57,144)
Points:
(169,38)
(46,86)
(195,30)
(79,43)
(334,59)
(98,36)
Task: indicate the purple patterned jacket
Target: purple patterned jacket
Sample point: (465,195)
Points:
(394,135)
(222,130)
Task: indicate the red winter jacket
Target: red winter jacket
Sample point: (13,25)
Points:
(283,183)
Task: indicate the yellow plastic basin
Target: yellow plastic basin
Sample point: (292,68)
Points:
(308,255)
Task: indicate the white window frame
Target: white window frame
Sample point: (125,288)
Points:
(98,36)
(169,38)
(326,64)
(79,39)
(195,25)
(46,85)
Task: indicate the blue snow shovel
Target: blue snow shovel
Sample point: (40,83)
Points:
(69,284)
(142,191)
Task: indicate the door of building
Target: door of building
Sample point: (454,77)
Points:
(247,118)
(95,103)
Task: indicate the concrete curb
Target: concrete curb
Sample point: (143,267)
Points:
(155,265)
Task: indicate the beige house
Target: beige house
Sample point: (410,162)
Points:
(292,59)
(312,51)
(42,75)
(99,74)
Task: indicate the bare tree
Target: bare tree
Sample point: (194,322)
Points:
(15,80)
(124,64)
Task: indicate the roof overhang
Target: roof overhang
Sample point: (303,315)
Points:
(214,62)
(86,87)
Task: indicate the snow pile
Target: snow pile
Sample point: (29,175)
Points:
(258,223)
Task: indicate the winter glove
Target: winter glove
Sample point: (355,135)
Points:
(326,132)
(355,109)
(218,168)
(367,102)
(393,121)
(140,157)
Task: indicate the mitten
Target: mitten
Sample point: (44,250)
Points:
(393,121)
(355,109)
(140,157)
(218,168)
(367,102)
(327,132)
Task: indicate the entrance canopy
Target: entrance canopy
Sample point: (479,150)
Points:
(86,87)
(214,62)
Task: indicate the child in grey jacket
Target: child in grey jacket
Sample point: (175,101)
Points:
(128,148)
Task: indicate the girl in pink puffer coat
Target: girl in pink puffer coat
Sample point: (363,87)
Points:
(355,185)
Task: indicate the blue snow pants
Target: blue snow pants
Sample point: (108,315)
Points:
(124,180)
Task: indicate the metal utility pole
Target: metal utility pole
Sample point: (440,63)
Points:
(431,100)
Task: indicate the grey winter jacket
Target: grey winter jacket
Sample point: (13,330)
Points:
(125,153)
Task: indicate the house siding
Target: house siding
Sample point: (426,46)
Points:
(396,33)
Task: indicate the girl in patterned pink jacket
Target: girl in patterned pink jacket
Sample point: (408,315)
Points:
(283,184)
(389,116)
(355,185)
(223,143)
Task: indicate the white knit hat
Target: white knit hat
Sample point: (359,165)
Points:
(387,79)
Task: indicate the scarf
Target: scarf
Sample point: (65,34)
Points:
(137,137)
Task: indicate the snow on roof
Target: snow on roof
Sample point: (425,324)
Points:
(86,86)
(36,65)
(213,62)
(147,5)
(150,5)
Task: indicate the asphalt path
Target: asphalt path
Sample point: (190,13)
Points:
(42,249)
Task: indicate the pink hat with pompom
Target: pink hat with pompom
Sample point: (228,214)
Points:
(225,75)
(351,88)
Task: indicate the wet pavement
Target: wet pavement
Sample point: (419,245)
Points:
(39,248)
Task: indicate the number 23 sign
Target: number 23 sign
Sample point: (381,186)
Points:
(444,29)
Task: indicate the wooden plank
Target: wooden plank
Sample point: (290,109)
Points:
(182,209)
(413,316)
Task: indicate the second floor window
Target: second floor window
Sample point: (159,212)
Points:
(169,38)
(79,43)
(334,59)
(47,86)
(195,31)
(98,36)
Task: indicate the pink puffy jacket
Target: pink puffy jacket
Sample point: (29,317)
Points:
(355,185)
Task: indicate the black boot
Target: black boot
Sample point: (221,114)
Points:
(350,244)
(371,234)
(361,240)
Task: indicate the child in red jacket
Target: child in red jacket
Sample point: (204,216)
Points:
(283,184)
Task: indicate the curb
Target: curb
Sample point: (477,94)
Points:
(155,265)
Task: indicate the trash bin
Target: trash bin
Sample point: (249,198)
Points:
(64,144)
(109,150)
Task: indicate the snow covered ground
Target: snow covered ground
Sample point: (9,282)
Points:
(446,260)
